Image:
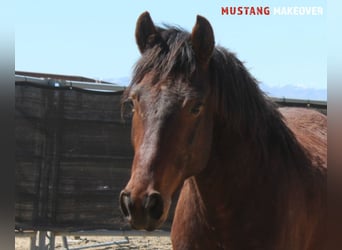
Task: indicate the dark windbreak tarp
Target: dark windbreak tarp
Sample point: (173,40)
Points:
(73,157)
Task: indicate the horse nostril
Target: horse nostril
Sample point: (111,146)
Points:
(154,205)
(125,203)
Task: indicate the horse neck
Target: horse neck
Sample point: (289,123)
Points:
(252,160)
(247,180)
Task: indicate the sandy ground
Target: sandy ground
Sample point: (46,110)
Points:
(122,243)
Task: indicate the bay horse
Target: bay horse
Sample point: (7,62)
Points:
(253,175)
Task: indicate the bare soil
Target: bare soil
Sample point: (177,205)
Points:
(121,243)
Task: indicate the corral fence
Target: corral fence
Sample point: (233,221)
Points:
(73,157)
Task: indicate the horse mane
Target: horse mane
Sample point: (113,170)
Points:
(240,103)
(243,107)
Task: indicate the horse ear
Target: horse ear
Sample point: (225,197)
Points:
(145,32)
(202,39)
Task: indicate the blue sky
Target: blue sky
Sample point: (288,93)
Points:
(96,38)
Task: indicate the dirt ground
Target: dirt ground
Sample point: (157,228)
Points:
(118,242)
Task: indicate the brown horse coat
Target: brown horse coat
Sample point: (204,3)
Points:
(253,175)
(284,210)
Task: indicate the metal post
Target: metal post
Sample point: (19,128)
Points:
(65,242)
(41,242)
(33,241)
(52,241)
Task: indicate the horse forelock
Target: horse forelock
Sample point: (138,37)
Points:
(172,57)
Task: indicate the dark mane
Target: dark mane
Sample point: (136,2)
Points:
(243,107)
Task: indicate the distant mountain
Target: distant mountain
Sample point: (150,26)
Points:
(122,81)
(287,91)
(295,92)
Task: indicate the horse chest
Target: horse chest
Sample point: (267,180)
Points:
(193,227)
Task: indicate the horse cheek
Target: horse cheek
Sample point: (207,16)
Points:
(202,148)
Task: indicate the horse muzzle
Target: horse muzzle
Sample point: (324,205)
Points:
(142,213)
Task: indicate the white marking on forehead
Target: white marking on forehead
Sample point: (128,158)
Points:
(185,101)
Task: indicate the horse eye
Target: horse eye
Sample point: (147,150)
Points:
(130,105)
(128,109)
(196,109)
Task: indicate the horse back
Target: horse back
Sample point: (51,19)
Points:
(310,129)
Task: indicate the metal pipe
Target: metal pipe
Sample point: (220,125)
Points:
(104,87)
(156,233)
